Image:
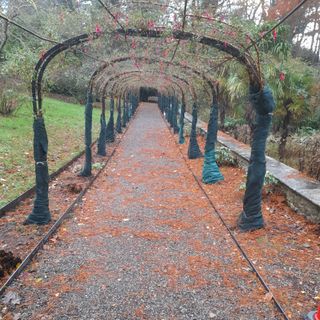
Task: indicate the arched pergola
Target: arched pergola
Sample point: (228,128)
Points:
(179,80)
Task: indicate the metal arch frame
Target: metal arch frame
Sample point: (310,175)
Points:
(132,77)
(190,86)
(98,73)
(242,57)
(104,66)
(253,203)
(121,87)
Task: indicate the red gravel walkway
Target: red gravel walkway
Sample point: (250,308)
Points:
(144,244)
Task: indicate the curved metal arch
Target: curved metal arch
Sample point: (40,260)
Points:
(103,68)
(242,57)
(121,76)
(168,62)
(132,77)
(136,77)
(139,72)
(191,88)
(125,78)
(44,61)
(172,89)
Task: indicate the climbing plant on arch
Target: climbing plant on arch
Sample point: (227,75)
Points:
(215,35)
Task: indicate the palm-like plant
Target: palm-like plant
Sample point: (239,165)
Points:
(291,82)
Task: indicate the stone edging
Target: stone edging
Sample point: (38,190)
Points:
(302,192)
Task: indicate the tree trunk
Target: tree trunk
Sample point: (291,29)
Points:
(285,130)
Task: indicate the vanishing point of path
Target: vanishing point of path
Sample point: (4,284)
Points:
(144,244)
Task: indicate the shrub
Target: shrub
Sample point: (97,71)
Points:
(10,102)
(224,157)
(232,123)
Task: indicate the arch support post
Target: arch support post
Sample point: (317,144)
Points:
(251,217)
(194,150)
(135,103)
(167,108)
(40,214)
(130,111)
(86,171)
(110,126)
(160,103)
(171,111)
(181,123)
(119,120)
(210,171)
(174,115)
(103,130)
(124,114)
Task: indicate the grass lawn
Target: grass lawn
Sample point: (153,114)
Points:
(65,127)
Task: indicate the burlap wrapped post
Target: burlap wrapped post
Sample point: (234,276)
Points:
(210,171)
(103,130)
(110,135)
(194,150)
(181,123)
(251,217)
(86,171)
(119,120)
(40,213)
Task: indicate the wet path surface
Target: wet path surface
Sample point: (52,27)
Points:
(144,244)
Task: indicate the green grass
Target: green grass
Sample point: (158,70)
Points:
(65,127)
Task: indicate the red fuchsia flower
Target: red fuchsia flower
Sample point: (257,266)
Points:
(233,34)
(133,44)
(275,34)
(168,39)
(261,34)
(177,26)
(164,8)
(207,15)
(225,44)
(117,16)
(98,29)
(41,54)
(248,40)
(165,53)
(150,24)
(184,63)
(282,76)
(161,66)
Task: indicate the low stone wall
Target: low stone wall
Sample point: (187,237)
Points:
(302,192)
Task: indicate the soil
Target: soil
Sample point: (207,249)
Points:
(8,262)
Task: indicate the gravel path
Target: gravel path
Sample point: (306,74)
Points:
(144,244)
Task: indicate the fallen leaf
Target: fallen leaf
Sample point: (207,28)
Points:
(11,297)
(268,297)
